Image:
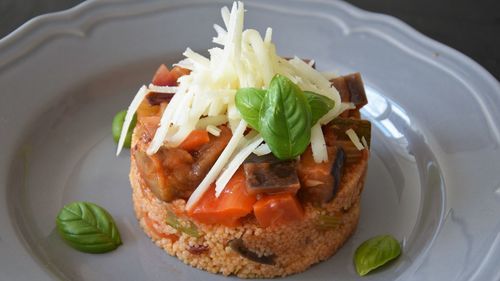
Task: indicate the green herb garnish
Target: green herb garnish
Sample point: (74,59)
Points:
(116,128)
(320,105)
(375,252)
(87,227)
(190,230)
(283,114)
(248,102)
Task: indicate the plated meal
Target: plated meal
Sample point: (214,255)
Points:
(415,186)
(245,162)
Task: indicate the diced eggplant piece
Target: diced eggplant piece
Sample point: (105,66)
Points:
(174,173)
(335,136)
(239,247)
(356,89)
(267,174)
(338,126)
(351,89)
(157,98)
(318,181)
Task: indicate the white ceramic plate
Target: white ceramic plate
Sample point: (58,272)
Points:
(433,181)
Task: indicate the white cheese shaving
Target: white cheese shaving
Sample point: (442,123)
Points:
(235,163)
(213,130)
(332,114)
(134,105)
(162,89)
(329,75)
(185,63)
(354,139)
(365,143)
(318,145)
(211,121)
(196,58)
(262,149)
(218,166)
(165,121)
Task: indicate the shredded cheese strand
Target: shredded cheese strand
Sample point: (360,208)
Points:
(365,143)
(318,144)
(134,105)
(262,149)
(354,139)
(162,89)
(213,130)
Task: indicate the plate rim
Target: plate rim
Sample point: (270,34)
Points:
(30,31)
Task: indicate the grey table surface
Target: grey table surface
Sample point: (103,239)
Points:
(471,27)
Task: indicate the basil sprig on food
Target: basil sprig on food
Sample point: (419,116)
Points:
(88,228)
(375,252)
(283,114)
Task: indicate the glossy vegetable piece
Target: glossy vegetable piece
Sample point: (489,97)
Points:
(233,203)
(339,126)
(174,173)
(375,252)
(87,227)
(149,124)
(239,247)
(267,174)
(163,77)
(154,98)
(195,140)
(317,180)
(157,171)
(146,109)
(117,125)
(277,209)
(335,136)
(351,89)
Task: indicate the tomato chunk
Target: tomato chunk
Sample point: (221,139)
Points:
(163,77)
(233,203)
(195,140)
(278,209)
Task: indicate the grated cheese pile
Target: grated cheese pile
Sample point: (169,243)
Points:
(206,97)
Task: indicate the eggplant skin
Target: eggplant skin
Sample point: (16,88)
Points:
(337,170)
(239,247)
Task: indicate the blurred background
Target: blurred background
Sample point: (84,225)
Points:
(471,27)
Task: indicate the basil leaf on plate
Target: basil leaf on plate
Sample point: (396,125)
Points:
(88,228)
(375,252)
(285,118)
(320,105)
(248,102)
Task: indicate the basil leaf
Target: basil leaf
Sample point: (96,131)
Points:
(248,102)
(375,252)
(320,105)
(285,118)
(88,228)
